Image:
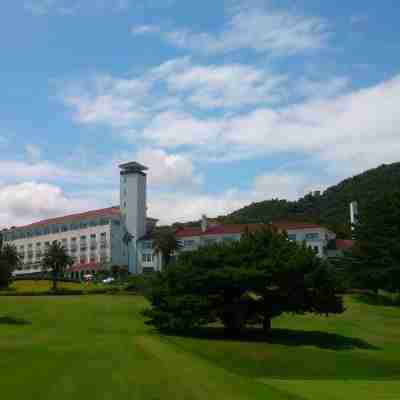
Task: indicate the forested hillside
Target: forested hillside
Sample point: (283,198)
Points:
(331,208)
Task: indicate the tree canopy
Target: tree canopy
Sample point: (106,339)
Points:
(166,243)
(242,283)
(374,262)
(9,261)
(56,260)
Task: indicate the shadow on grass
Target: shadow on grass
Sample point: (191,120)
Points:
(287,337)
(378,299)
(13,321)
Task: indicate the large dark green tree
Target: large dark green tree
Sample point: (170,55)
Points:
(374,262)
(9,261)
(56,260)
(241,283)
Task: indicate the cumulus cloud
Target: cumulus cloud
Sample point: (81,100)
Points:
(169,169)
(131,103)
(222,113)
(30,201)
(262,30)
(113,101)
(221,86)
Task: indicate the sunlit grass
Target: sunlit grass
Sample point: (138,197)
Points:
(99,347)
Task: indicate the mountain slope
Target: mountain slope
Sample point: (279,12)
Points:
(330,208)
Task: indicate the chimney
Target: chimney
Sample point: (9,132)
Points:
(353,213)
(204,223)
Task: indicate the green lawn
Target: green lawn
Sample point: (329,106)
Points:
(97,347)
(44,286)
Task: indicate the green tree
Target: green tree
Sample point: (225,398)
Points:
(241,283)
(165,243)
(374,262)
(9,261)
(56,260)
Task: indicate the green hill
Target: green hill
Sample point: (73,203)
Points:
(330,208)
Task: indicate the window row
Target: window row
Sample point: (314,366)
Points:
(52,229)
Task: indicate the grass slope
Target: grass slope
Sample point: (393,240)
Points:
(98,347)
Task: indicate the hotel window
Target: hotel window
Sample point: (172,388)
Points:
(292,236)
(147,258)
(188,243)
(312,236)
(148,245)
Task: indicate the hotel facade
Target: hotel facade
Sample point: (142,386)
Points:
(124,236)
(96,239)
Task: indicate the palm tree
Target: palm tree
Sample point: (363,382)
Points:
(166,243)
(57,260)
(9,261)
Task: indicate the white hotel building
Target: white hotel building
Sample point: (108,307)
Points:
(95,239)
(123,235)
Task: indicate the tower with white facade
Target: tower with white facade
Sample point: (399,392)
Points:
(133,207)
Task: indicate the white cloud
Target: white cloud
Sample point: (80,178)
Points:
(169,170)
(322,89)
(30,201)
(117,102)
(221,112)
(263,30)
(72,7)
(175,129)
(185,206)
(33,152)
(226,86)
(165,91)
(346,133)
(145,29)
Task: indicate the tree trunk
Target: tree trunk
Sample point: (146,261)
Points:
(267,325)
(54,281)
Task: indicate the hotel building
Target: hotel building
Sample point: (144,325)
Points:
(96,239)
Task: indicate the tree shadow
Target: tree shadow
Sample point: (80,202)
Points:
(287,337)
(13,321)
(378,299)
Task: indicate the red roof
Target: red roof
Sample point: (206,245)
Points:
(241,228)
(91,266)
(344,244)
(218,230)
(103,212)
(289,225)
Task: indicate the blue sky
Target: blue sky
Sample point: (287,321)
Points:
(228,102)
